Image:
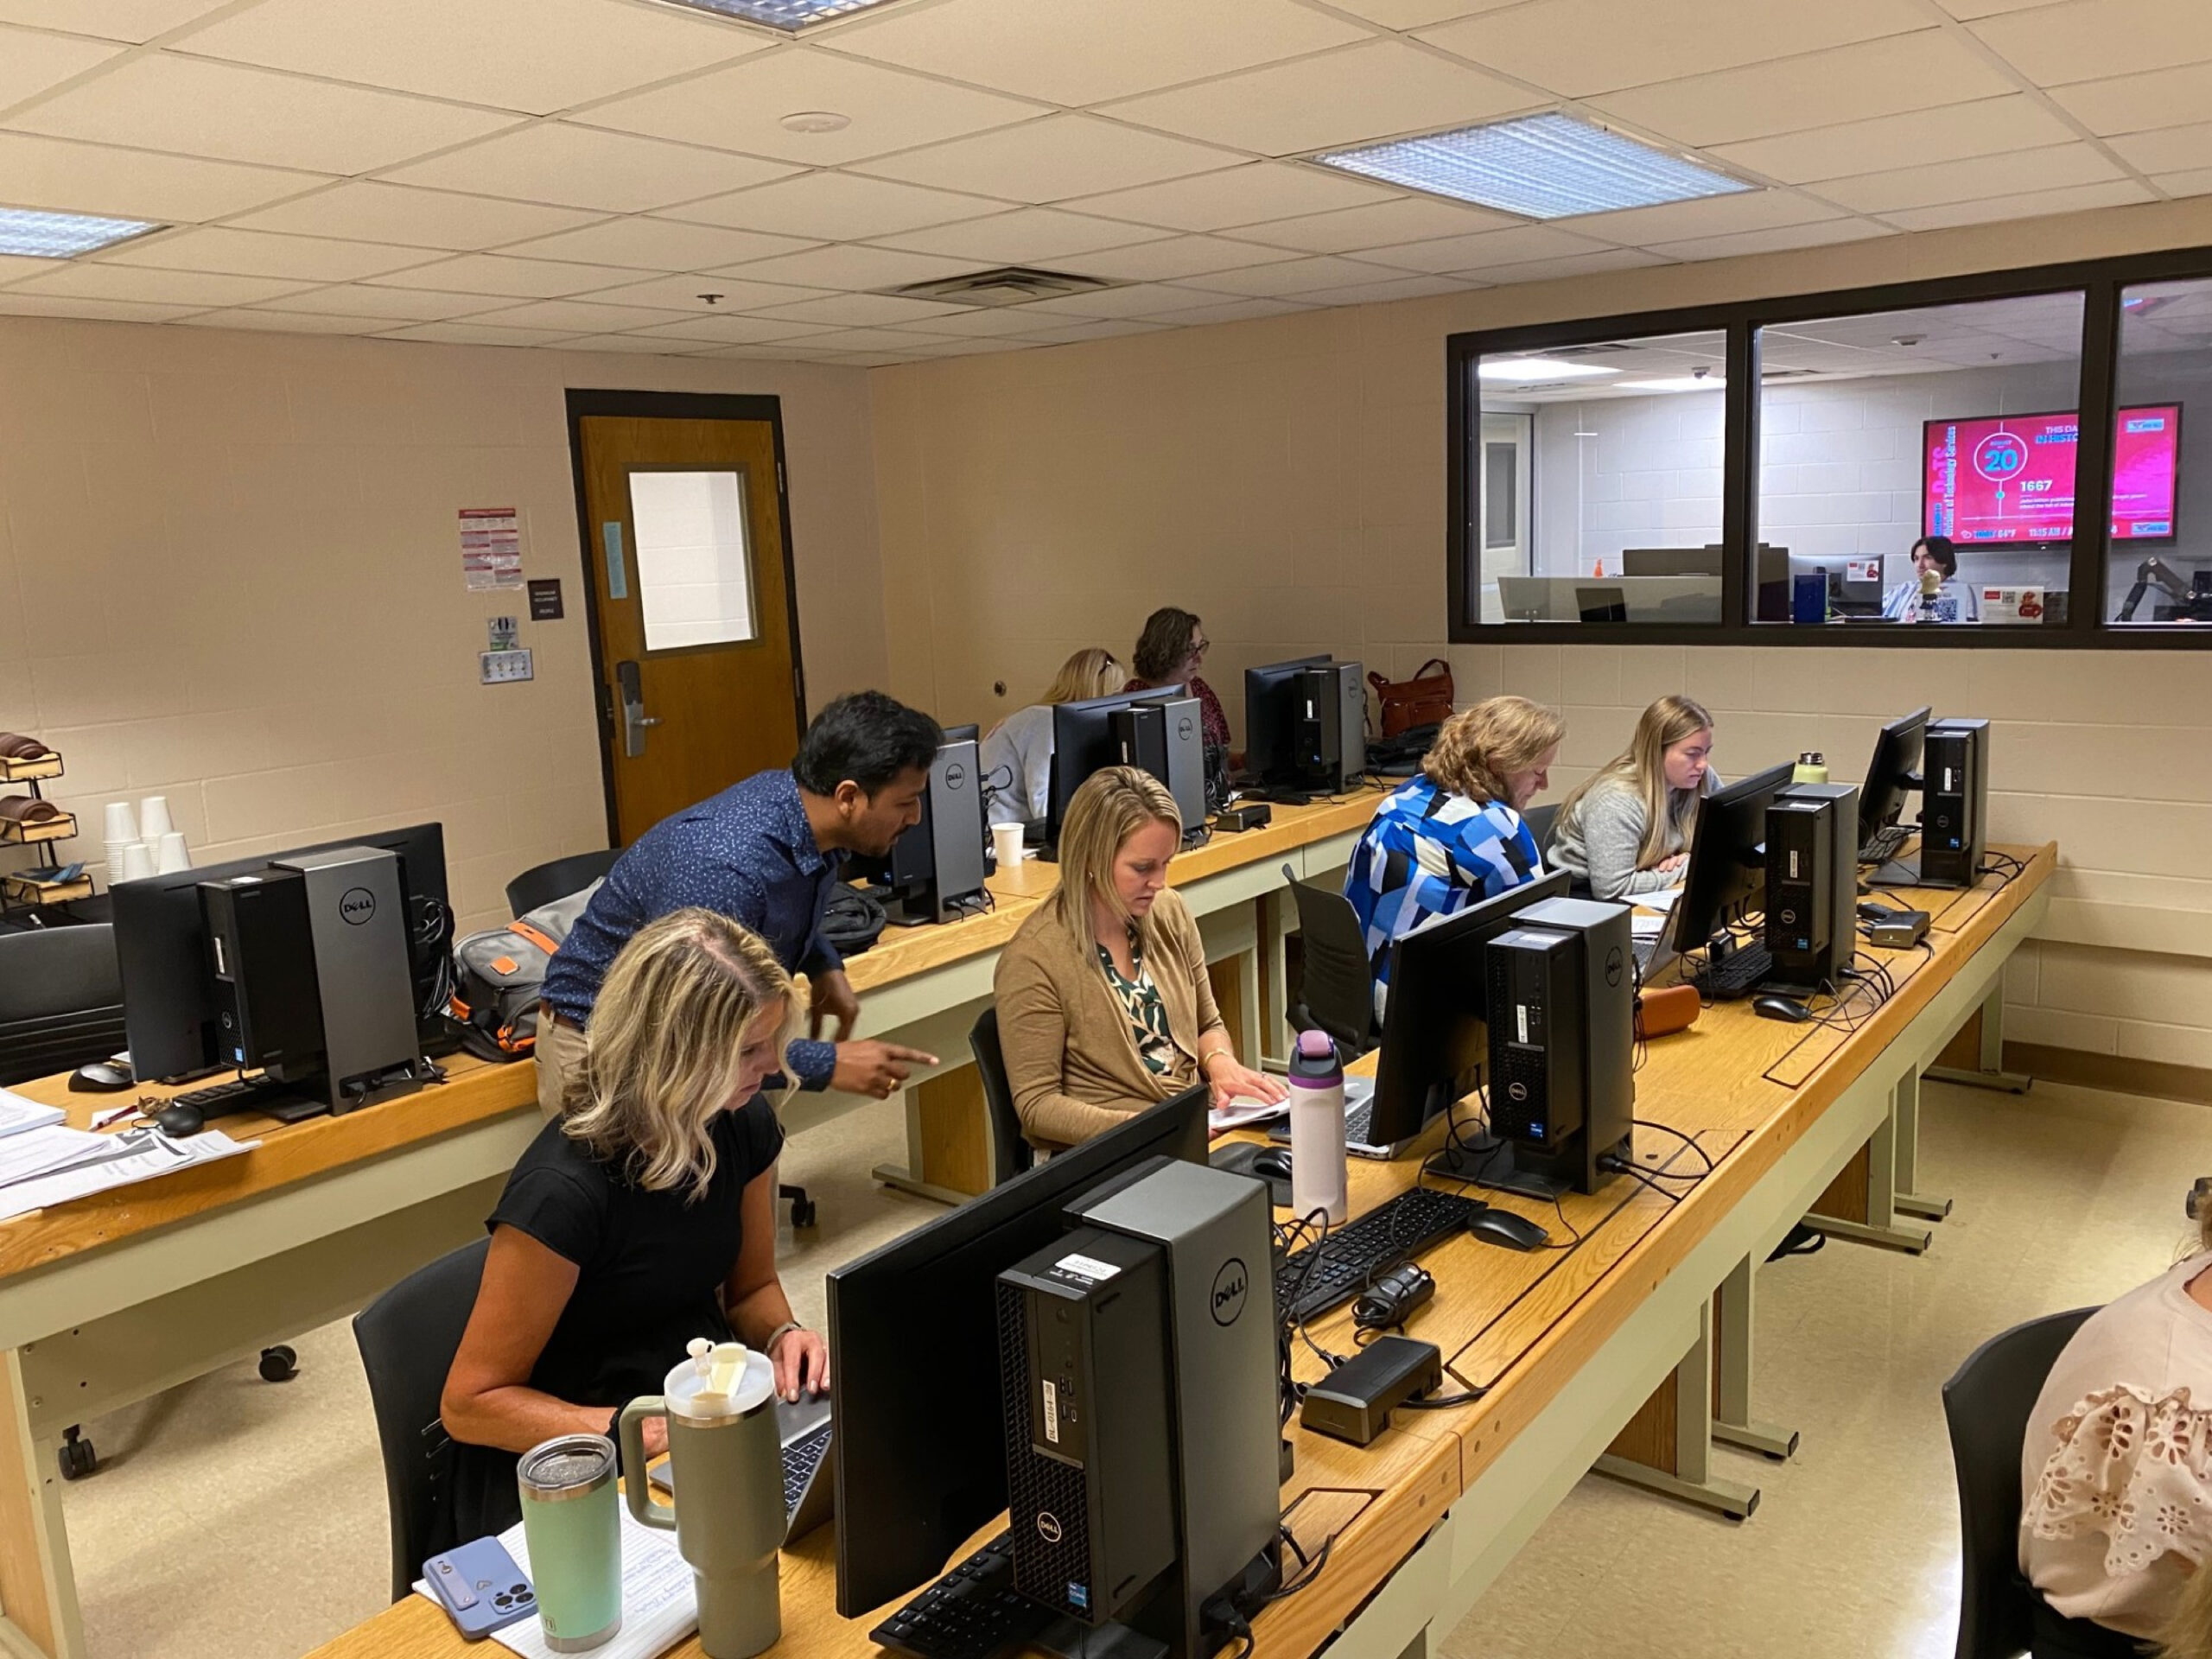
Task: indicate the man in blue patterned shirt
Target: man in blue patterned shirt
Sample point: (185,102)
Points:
(1454,836)
(767,852)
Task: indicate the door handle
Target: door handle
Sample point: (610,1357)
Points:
(635,720)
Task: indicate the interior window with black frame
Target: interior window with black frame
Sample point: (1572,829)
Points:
(1916,468)
(2160,563)
(1597,469)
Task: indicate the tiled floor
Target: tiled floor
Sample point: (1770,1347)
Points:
(239,1520)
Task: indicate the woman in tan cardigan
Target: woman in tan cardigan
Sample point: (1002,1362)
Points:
(1104,1008)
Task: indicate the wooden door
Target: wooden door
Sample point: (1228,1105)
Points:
(699,680)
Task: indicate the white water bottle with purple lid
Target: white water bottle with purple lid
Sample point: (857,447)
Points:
(1319,1172)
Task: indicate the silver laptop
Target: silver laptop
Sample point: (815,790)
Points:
(810,1483)
(1359,1114)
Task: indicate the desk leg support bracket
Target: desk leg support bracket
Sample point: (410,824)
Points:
(1989,1071)
(1734,1423)
(1690,1480)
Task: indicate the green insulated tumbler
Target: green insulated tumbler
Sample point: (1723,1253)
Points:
(573,1533)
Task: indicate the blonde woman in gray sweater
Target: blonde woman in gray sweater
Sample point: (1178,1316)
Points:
(1626,828)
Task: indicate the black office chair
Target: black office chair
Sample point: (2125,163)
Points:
(1539,820)
(408,1338)
(1986,1404)
(61,999)
(543,883)
(1338,993)
(1011,1152)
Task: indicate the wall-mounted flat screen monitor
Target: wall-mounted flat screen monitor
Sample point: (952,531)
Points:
(2010,478)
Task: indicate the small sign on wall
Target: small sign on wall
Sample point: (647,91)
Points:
(545,599)
(491,548)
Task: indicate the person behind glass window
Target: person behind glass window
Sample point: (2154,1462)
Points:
(1953,601)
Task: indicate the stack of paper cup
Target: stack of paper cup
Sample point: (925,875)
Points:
(137,863)
(170,854)
(121,830)
(154,819)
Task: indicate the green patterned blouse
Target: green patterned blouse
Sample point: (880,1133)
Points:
(1147,1015)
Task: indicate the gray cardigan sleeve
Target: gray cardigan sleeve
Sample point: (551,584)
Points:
(1602,843)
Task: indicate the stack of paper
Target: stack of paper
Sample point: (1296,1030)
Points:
(43,1161)
(659,1605)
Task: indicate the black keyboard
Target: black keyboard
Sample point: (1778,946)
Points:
(1738,974)
(972,1612)
(801,1458)
(1885,844)
(1355,1255)
(247,1093)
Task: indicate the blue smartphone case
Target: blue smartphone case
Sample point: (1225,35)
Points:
(481,1587)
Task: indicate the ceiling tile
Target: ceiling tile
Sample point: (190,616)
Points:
(526,279)
(1257,191)
(785,353)
(1025,235)
(1574,265)
(2035,205)
(192,107)
(1823,234)
(577,316)
(287,322)
(15,265)
(1456,253)
(1390,287)
(1753,210)
(988,321)
(470,334)
(15,303)
(196,289)
(259,253)
(637,345)
(1583,46)
(134,184)
(1951,132)
(865,340)
(682,293)
(849,267)
(1074,333)
(856,310)
(656,245)
(1293,278)
(1850,83)
(1178,256)
(412,217)
(2086,40)
(735,331)
(586,167)
(2196,181)
(405,304)
(1417,13)
(131,20)
(838,207)
(1362,92)
(1985,175)
(2172,149)
(1234,311)
(31,62)
(2164,97)
(1078,55)
(1136,300)
(743,108)
(1972,9)
(1410,218)
(1051,160)
(533,56)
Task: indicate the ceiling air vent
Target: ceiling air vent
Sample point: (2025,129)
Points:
(1006,285)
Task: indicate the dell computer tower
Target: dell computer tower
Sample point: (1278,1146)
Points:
(358,932)
(1167,739)
(1561,994)
(936,865)
(1812,923)
(1091,1497)
(1954,801)
(261,957)
(1328,727)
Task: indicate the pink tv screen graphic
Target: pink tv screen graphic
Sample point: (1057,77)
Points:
(2010,478)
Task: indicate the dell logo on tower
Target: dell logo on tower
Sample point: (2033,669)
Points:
(1048,1526)
(1229,1285)
(1518,1091)
(1184,729)
(358,905)
(955,775)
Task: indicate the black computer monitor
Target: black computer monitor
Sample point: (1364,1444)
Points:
(920,1415)
(1893,773)
(168,996)
(1435,1034)
(1084,742)
(1727,867)
(1271,712)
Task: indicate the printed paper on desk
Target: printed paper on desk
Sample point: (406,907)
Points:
(1243,1111)
(1661,901)
(659,1605)
(37,1152)
(18,1113)
(1646,927)
(138,1155)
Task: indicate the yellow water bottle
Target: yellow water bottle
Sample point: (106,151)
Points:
(1812,768)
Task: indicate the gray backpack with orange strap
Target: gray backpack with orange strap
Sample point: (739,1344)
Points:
(500,976)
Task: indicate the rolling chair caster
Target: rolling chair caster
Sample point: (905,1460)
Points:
(279,1364)
(75,1454)
(801,1206)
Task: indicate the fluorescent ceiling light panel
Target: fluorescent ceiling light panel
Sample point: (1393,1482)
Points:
(790,15)
(1524,370)
(1675,383)
(1547,166)
(63,235)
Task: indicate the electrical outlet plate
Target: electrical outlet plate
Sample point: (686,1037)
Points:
(504,667)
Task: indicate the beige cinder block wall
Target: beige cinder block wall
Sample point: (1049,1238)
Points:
(1286,478)
(229,573)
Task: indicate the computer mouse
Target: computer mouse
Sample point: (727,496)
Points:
(179,1119)
(1781,1007)
(100,1078)
(1272,1164)
(1495,1226)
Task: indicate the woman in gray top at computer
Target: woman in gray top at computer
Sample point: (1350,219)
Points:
(1017,755)
(1626,828)
(1952,600)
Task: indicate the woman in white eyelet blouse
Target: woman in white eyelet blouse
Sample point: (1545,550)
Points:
(2116,1467)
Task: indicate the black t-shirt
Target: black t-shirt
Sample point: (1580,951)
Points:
(649,1267)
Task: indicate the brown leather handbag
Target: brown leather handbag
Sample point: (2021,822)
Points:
(1425,700)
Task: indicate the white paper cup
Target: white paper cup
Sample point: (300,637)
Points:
(154,819)
(1006,841)
(172,855)
(122,824)
(137,863)
(115,850)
